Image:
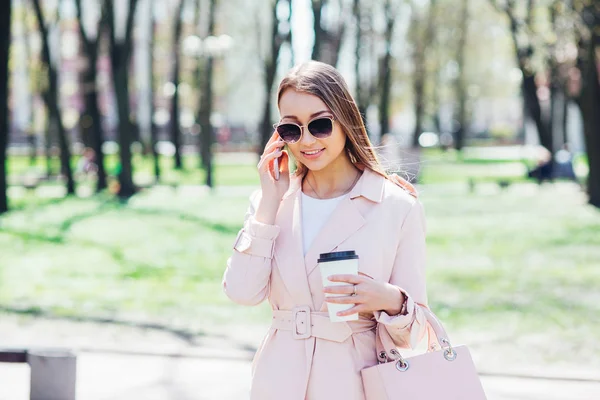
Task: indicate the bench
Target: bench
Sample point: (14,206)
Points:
(53,371)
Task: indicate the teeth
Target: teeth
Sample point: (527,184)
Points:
(312,152)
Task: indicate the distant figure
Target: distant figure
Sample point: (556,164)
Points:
(564,164)
(543,170)
(87,163)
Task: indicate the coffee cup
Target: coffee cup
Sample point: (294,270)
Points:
(338,263)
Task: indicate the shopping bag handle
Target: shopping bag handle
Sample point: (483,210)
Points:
(437,339)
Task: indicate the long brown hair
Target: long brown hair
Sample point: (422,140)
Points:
(325,82)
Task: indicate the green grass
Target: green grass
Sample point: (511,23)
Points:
(240,170)
(509,265)
(228,169)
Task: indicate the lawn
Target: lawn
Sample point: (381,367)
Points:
(509,265)
(239,169)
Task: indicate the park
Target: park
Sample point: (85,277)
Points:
(120,204)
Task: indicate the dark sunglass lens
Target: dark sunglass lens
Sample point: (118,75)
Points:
(321,128)
(289,133)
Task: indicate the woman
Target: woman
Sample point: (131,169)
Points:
(339,198)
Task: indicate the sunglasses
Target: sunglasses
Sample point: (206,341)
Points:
(320,128)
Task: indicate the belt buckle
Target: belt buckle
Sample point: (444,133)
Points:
(302,323)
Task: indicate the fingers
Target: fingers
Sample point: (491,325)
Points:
(267,158)
(354,279)
(273,138)
(359,308)
(273,145)
(343,299)
(343,289)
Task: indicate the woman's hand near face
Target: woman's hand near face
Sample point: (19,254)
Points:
(272,190)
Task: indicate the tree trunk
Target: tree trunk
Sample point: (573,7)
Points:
(92,118)
(270,69)
(153,127)
(535,110)
(386,72)
(564,120)
(327,42)
(5,40)
(528,86)
(206,104)
(420,58)
(31,137)
(356,9)
(175,113)
(266,129)
(51,98)
(419,93)
(461,81)
(120,55)
(49,123)
(96,133)
(125,136)
(589,103)
(317,6)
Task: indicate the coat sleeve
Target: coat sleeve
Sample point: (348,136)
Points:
(246,279)
(408,274)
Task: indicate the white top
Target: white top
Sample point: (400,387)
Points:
(315,213)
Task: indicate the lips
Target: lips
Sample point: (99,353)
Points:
(311,152)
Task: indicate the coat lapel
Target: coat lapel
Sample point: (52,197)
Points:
(288,252)
(345,220)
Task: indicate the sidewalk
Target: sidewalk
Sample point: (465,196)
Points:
(119,363)
(103,376)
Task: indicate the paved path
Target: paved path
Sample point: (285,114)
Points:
(106,376)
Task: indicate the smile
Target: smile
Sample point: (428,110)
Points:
(312,153)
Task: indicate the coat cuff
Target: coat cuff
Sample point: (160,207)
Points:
(398,321)
(257,239)
(259,230)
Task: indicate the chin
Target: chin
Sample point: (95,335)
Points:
(315,165)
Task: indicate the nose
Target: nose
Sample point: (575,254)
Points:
(307,138)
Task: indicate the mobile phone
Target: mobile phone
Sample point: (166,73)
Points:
(276,168)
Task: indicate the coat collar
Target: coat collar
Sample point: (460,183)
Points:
(370,186)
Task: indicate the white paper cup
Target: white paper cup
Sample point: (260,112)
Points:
(337,263)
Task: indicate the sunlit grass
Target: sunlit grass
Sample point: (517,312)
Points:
(522,261)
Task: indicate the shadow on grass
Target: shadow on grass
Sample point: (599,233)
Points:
(214,226)
(188,336)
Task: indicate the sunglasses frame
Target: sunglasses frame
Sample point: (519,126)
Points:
(329,117)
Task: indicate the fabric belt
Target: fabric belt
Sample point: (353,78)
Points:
(304,323)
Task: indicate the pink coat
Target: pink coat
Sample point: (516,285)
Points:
(304,356)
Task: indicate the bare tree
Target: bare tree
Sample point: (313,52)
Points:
(521,27)
(31,136)
(385,75)
(420,66)
(588,98)
(120,54)
(207,136)
(280,33)
(328,34)
(365,57)
(51,98)
(5,18)
(152,86)
(461,79)
(175,117)
(92,120)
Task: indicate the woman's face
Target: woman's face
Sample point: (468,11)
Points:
(301,108)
